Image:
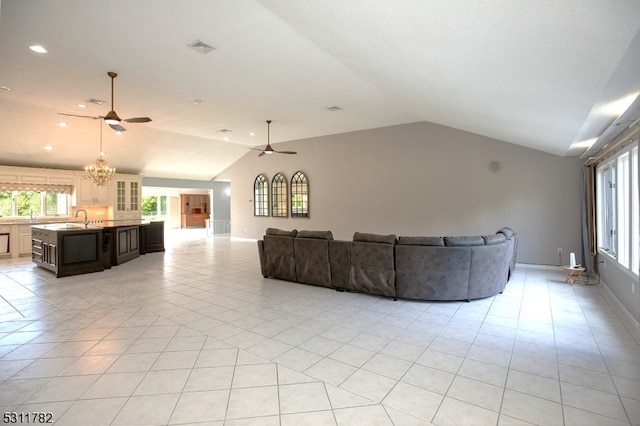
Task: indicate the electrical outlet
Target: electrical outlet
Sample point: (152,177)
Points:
(559,251)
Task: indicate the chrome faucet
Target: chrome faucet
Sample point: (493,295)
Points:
(85,221)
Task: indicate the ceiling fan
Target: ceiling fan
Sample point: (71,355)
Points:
(112,118)
(268,149)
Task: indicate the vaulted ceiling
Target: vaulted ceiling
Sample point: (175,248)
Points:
(545,75)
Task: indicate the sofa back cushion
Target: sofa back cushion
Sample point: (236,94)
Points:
(489,270)
(312,260)
(463,241)
(340,261)
(422,241)
(506,231)
(373,264)
(490,240)
(320,235)
(374,238)
(279,258)
(432,272)
(282,233)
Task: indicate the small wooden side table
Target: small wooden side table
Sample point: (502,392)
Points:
(574,274)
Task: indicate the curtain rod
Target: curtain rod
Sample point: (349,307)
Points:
(622,140)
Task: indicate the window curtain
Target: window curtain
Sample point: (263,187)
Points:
(38,187)
(588,217)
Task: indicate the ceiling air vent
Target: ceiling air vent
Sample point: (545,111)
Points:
(96,101)
(201,46)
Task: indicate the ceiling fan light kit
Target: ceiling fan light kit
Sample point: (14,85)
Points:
(268,149)
(112,118)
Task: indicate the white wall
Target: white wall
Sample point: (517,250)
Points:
(422,179)
(622,285)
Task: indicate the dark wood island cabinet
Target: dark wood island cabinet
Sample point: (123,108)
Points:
(73,248)
(67,249)
(152,237)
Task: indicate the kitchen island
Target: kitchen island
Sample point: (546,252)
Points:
(76,248)
(67,248)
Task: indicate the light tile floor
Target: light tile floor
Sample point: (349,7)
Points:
(197,335)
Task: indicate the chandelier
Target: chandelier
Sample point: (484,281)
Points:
(99,172)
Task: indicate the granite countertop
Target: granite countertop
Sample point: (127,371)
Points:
(35,221)
(117,223)
(67,226)
(98,223)
(78,226)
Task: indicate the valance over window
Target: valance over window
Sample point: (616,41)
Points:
(41,187)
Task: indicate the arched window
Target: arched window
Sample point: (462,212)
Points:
(261,196)
(299,195)
(279,198)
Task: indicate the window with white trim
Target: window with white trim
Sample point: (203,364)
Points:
(617,207)
(33,204)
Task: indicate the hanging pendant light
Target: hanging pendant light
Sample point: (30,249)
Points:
(100,172)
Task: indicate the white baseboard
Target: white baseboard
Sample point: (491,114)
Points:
(620,305)
(536,266)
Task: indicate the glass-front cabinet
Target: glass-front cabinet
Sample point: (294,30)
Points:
(127,197)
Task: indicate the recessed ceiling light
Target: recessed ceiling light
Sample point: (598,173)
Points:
(252,133)
(38,48)
(197,101)
(5,88)
(48,148)
(63,123)
(226,138)
(81,106)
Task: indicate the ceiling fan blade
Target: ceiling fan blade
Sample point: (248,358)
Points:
(285,152)
(117,128)
(81,116)
(137,120)
(261,154)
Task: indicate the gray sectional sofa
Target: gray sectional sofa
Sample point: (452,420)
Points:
(422,268)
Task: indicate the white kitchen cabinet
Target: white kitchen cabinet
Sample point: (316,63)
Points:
(87,193)
(127,197)
(24,240)
(5,241)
